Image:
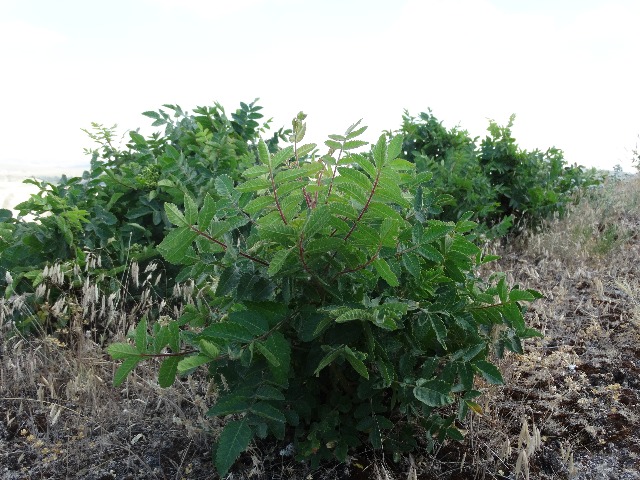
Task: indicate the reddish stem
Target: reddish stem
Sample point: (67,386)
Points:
(366,206)
(224,245)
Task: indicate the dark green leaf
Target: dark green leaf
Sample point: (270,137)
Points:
(328,359)
(191,362)
(269,392)
(167,371)
(122,350)
(228,281)
(227,331)
(224,186)
(412,263)
(175,246)
(383,269)
(254,322)
(124,369)
(141,336)
(489,372)
(175,216)
(268,411)
(232,442)
(433,393)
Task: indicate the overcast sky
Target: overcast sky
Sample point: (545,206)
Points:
(568,69)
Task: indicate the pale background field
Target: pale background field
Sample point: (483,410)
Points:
(13,191)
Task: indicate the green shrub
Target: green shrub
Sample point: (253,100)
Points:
(332,307)
(116,209)
(507,188)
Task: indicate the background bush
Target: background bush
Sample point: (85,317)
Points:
(507,188)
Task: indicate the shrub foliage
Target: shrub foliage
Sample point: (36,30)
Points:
(507,188)
(335,310)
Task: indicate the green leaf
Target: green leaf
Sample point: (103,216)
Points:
(281,156)
(435,230)
(268,411)
(434,393)
(513,316)
(124,369)
(464,246)
(440,329)
(264,350)
(317,220)
(269,392)
(228,281)
(465,226)
(253,321)
(224,186)
(352,144)
(333,144)
(305,149)
(282,234)
(207,212)
(357,364)
(175,246)
(233,440)
(254,185)
(354,314)
(395,148)
(521,295)
(365,164)
(167,371)
(278,261)
(391,193)
(503,292)
(228,405)
(258,204)
(401,165)
(255,171)
(174,215)
(227,331)
(191,362)
(190,209)
(263,153)
(355,133)
(489,372)
(380,152)
(430,253)
(280,348)
(387,373)
(141,336)
(138,139)
(122,350)
(353,176)
(383,269)
(328,358)
(412,263)
(209,348)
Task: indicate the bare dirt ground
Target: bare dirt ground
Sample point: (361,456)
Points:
(570,408)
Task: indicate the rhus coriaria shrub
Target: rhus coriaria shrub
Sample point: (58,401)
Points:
(333,311)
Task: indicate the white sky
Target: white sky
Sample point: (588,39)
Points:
(568,69)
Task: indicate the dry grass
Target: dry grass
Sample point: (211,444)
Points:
(569,410)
